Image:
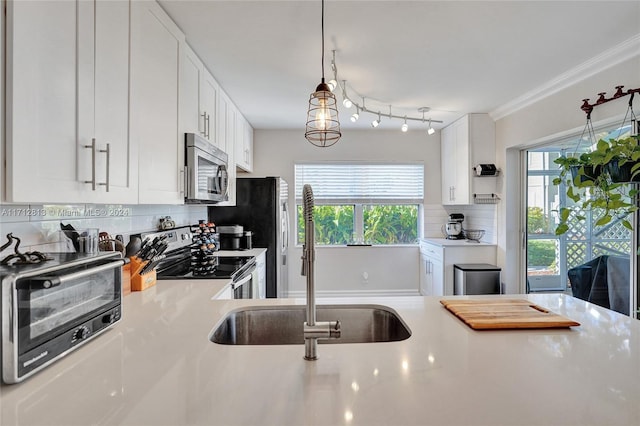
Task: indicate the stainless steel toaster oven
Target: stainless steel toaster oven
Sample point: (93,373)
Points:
(52,308)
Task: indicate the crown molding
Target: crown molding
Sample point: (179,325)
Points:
(622,52)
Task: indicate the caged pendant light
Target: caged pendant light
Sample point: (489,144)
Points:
(323,127)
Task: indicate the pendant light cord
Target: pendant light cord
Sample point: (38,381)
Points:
(322,25)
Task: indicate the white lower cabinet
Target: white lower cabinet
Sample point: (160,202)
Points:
(437,258)
(155,57)
(431,273)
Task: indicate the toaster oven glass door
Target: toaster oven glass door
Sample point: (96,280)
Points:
(53,304)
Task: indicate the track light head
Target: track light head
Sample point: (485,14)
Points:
(347,103)
(430,130)
(376,122)
(332,84)
(405,126)
(355,115)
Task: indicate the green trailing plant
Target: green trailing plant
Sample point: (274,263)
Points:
(593,182)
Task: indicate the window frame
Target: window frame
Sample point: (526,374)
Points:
(359,202)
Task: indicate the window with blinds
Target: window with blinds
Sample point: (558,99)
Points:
(360,203)
(362,182)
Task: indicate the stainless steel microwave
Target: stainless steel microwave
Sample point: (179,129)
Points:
(207,177)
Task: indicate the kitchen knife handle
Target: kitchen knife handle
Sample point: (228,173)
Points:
(107,151)
(92,147)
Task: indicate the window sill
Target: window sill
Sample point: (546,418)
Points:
(361,246)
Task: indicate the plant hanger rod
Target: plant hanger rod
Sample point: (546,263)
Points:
(587,107)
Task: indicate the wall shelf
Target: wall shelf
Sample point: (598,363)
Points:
(486,198)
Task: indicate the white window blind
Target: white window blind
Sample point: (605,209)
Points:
(362,183)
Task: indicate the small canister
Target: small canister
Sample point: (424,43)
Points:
(246,242)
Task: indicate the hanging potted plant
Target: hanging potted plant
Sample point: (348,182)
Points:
(590,182)
(621,158)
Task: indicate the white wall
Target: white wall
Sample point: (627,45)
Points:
(555,115)
(390,270)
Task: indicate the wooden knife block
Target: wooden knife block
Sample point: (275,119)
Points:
(141,282)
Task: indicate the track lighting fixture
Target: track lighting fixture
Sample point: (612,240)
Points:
(404,127)
(376,122)
(430,130)
(345,101)
(348,102)
(355,115)
(323,126)
(332,84)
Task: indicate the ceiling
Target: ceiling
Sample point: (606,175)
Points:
(455,57)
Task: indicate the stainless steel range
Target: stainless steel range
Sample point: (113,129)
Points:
(192,253)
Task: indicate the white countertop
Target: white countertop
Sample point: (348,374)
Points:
(443,242)
(241,253)
(158,367)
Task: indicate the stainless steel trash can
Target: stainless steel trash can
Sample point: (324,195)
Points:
(476,278)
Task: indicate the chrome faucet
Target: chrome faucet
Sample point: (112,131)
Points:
(312,330)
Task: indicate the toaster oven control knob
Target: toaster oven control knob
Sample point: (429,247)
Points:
(108,318)
(81,333)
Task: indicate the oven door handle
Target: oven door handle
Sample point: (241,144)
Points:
(244,278)
(46,282)
(242,281)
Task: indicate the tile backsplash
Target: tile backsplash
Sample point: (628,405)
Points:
(37,225)
(476,216)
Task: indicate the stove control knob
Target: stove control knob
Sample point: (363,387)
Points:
(81,333)
(186,236)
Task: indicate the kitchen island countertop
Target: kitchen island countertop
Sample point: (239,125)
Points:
(157,366)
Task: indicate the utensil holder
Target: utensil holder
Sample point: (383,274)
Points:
(141,282)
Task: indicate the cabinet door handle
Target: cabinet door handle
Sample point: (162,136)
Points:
(204,124)
(207,125)
(107,151)
(92,147)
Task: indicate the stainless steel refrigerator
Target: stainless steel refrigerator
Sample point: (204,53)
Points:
(262,208)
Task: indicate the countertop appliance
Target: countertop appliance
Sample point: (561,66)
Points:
(52,308)
(232,237)
(185,259)
(206,175)
(262,206)
(453,228)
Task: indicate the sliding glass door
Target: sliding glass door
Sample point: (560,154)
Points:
(588,261)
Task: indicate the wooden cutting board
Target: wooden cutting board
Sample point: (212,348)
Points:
(492,314)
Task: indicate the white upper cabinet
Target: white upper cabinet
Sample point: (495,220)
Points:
(466,143)
(244,144)
(208,106)
(226,134)
(155,79)
(198,97)
(190,77)
(67,93)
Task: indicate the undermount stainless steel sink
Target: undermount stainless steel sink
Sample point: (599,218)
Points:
(283,325)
